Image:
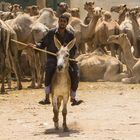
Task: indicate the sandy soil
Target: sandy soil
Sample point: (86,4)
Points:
(111,111)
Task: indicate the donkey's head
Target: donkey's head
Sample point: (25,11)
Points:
(63,54)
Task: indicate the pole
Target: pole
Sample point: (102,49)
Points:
(21,43)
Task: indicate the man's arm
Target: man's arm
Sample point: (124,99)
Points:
(41,44)
(74,48)
(44,42)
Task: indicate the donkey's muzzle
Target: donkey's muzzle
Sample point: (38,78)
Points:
(60,67)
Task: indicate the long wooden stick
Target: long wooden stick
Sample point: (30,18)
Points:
(21,43)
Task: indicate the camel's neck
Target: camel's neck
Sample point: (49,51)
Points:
(121,18)
(129,58)
(92,25)
(89,30)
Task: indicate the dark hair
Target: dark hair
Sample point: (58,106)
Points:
(64,16)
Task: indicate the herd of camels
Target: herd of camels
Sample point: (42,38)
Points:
(108,49)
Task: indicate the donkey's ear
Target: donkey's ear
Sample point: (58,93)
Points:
(71,44)
(57,43)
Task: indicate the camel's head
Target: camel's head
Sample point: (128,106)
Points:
(118,39)
(136,9)
(62,6)
(107,15)
(88,5)
(98,11)
(118,8)
(75,12)
(63,54)
(15,8)
(39,30)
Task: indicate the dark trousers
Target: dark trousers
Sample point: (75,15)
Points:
(73,71)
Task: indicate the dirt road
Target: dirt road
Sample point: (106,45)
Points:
(111,111)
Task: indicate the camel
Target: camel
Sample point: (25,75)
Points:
(8,55)
(4,6)
(104,28)
(99,66)
(130,26)
(75,12)
(13,11)
(137,12)
(61,77)
(47,17)
(6,15)
(121,9)
(62,8)
(88,31)
(133,63)
(29,31)
(32,10)
(88,6)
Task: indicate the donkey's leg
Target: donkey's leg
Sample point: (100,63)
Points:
(55,111)
(64,113)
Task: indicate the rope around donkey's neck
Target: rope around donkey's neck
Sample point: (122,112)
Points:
(21,43)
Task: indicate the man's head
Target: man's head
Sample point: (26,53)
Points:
(63,21)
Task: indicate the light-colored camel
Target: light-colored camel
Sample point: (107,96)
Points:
(99,66)
(133,64)
(8,55)
(61,77)
(4,6)
(75,12)
(29,31)
(32,10)
(105,27)
(13,11)
(130,26)
(6,15)
(88,31)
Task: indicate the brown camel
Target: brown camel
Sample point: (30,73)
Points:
(8,54)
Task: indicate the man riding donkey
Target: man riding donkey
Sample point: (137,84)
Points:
(64,36)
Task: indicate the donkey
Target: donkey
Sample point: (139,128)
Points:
(61,84)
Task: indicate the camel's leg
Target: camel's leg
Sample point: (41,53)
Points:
(16,69)
(64,113)
(114,73)
(55,111)
(32,67)
(3,75)
(39,69)
(9,80)
(131,80)
(113,50)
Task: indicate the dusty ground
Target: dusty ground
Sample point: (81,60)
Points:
(111,111)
